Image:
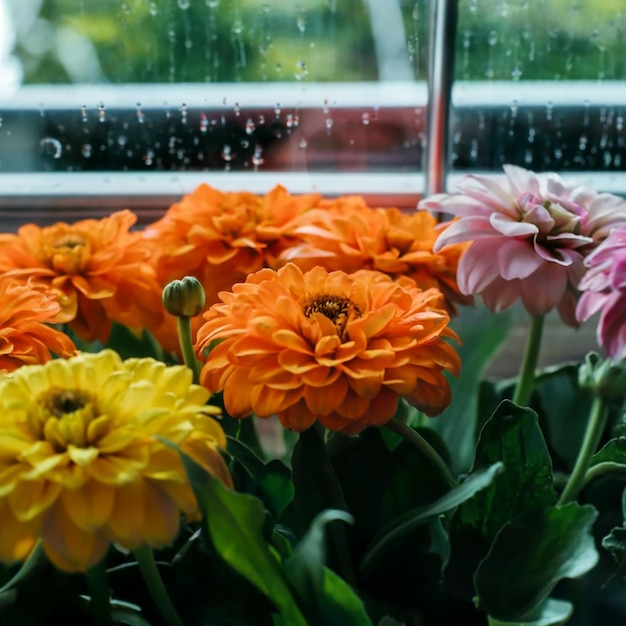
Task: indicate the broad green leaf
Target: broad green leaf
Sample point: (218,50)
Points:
(315,483)
(564,408)
(482,334)
(381,483)
(551,613)
(273,479)
(402,525)
(530,555)
(234,523)
(512,437)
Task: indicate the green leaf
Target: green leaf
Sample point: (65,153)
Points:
(530,555)
(564,408)
(234,523)
(339,605)
(34,560)
(329,599)
(273,479)
(511,436)
(316,486)
(402,525)
(551,613)
(129,344)
(614,451)
(482,334)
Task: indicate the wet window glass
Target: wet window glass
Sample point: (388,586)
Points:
(312,86)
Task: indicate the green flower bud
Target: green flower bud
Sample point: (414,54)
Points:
(184,298)
(604,377)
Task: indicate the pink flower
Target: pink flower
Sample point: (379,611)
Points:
(530,235)
(604,288)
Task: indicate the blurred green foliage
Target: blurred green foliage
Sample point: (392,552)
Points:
(123,41)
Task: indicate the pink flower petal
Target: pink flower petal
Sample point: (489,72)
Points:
(521,180)
(466,229)
(517,259)
(476,268)
(511,228)
(543,290)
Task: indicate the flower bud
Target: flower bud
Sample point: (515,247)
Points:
(604,377)
(184,298)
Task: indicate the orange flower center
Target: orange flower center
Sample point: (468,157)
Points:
(338,309)
(65,252)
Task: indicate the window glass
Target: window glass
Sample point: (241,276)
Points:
(540,83)
(193,85)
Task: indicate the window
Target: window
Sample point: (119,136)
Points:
(135,102)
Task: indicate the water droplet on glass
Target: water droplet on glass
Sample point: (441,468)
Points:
(257,157)
(183,4)
(101,113)
(516,74)
(153,9)
(86,150)
(244,143)
(277,110)
(301,22)
(83,113)
(227,153)
(249,126)
(329,124)
(292,120)
(302,70)
(212,4)
(51,147)
(365,118)
(325,108)
(493,38)
(237,109)
(528,157)
(261,119)
(141,118)
(183,113)
(303,144)
(122,140)
(204,123)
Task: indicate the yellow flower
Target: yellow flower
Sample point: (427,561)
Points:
(328,346)
(81,462)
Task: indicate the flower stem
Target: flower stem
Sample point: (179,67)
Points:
(186,345)
(99,593)
(593,434)
(526,378)
(415,439)
(154,582)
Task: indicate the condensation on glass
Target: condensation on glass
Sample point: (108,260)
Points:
(219,85)
(554,80)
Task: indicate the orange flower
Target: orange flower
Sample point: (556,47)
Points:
(221,237)
(25,337)
(97,269)
(347,234)
(329,346)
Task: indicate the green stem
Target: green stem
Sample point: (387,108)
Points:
(415,439)
(154,582)
(602,468)
(186,345)
(99,593)
(526,378)
(593,434)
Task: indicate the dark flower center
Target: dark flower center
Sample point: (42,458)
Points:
(338,309)
(60,402)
